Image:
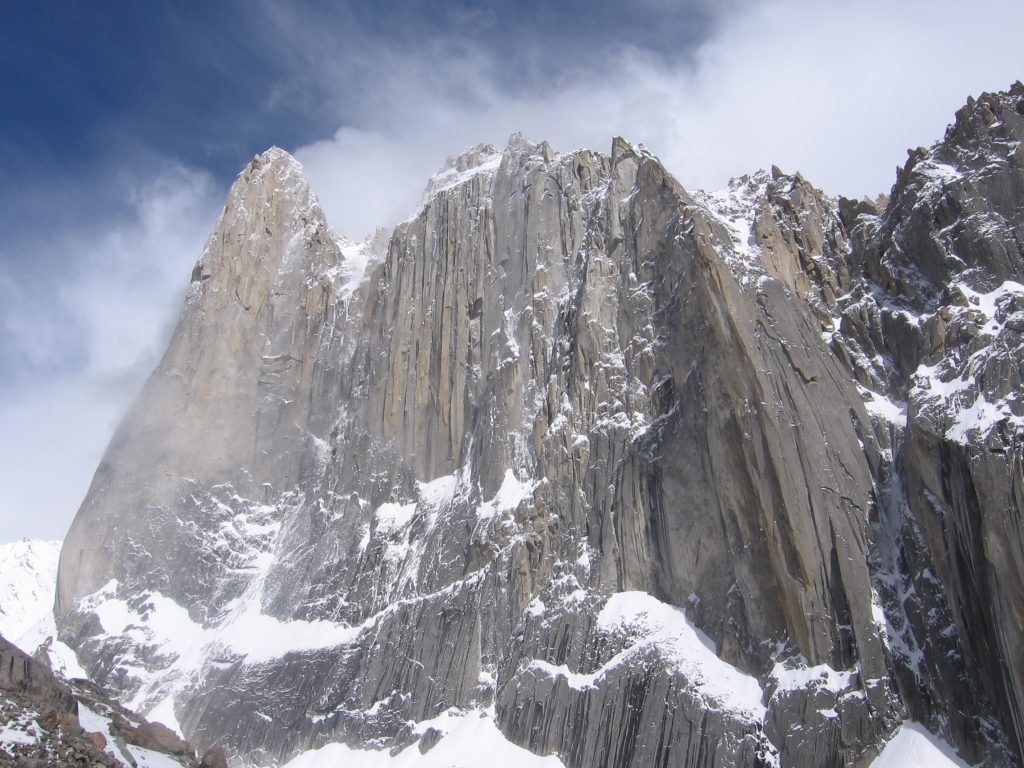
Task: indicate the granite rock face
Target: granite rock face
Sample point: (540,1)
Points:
(652,477)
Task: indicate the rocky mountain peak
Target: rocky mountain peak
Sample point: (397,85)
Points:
(623,468)
(273,160)
(521,152)
(483,158)
(955,204)
(273,213)
(999,116)
(470,158)
(624,148)
(518,142)
(276,178)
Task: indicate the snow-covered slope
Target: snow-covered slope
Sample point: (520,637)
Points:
(28,575)
(28,578)
(463,740)
(914,747)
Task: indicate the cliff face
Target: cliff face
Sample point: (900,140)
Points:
(939,334)
(653,478)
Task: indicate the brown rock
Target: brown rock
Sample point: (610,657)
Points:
(214,758)
(21,674)
(157,736)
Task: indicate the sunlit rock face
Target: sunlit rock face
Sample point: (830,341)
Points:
(645,477)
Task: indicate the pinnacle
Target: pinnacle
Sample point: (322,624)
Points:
(276,159)
(518,140)
(470,158)
(275,154)
(278,170)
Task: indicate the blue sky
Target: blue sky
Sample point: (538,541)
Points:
(208,84)
(123,124)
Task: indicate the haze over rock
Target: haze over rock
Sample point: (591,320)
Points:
(647,477)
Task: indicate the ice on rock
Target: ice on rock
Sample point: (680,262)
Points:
(481,159)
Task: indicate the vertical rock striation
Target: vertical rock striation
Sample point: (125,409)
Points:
(654,478)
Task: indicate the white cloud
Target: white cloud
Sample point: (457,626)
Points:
(85,340)
(836,90)
(365,179)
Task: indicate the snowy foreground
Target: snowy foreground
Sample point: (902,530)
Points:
(463,739)
(471,740)
(914,747)
(474,741)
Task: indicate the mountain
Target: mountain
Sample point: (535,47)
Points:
(636,476)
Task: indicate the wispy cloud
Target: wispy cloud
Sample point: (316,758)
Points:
(837,90)
(84,318)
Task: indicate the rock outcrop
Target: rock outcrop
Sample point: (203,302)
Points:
(656,478)
(47,721)
(23,676)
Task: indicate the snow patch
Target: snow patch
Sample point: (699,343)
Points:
(22,730)
(133,757)
(510,495)
(735,208)
(250,633)
(471,739)
(952,390)
(28,581)
(937,176)
(884,408)
(391,518)
(163,632)
(147,758)
(914,746)
(980,417)
(164,713)
(438,492)
(357,259)
(450,176)
(801,677)
(536,608)
(63,660)
(650,624)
